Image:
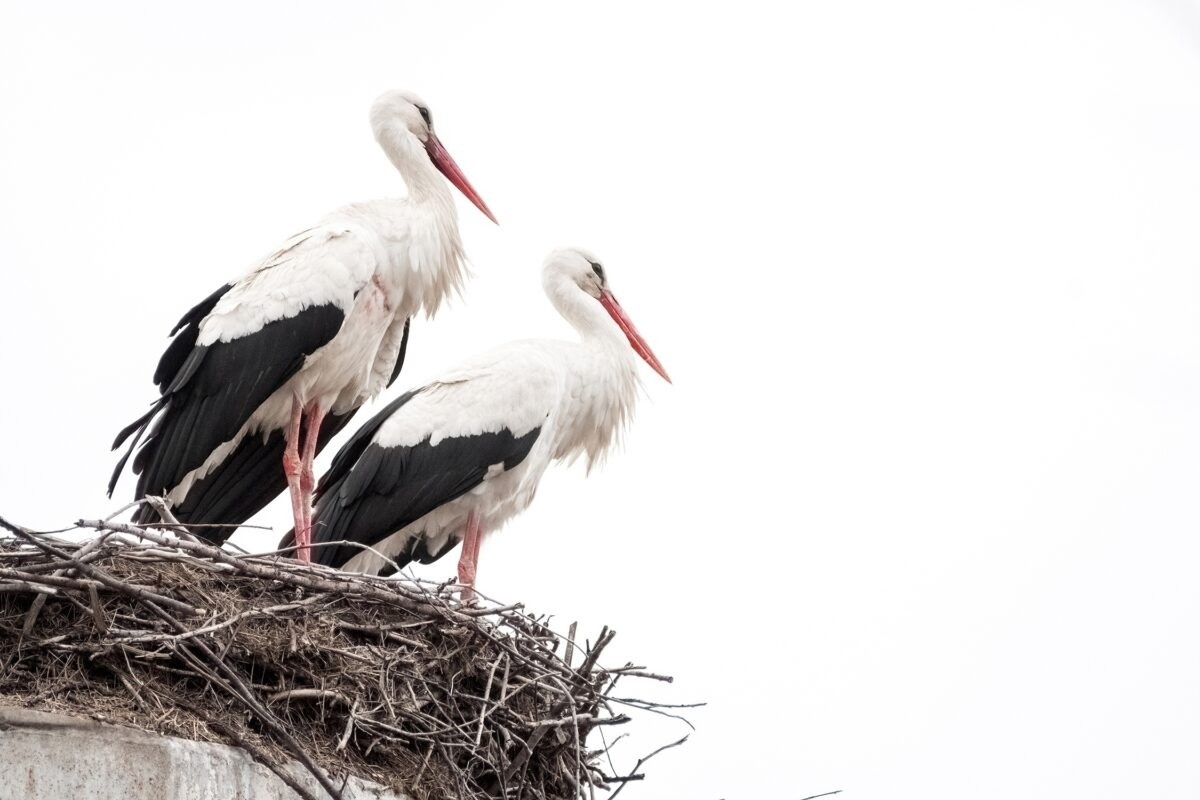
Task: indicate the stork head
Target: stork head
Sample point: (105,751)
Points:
(584,271)
(398,115)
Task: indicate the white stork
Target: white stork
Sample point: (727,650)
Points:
(454,460)
(314,329)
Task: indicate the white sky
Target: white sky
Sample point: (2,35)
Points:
(918,517)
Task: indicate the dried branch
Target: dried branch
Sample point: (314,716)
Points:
(391,679)
(646,758)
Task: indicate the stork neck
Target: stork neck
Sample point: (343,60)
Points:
(586,315)
(425,183)
(604,370)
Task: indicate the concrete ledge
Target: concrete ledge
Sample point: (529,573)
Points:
(56,756)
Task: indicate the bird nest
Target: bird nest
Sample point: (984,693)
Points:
(389,679)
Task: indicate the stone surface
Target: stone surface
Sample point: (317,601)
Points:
(56,756)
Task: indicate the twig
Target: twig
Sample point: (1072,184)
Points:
(301,694)
(569,653)
(340,672)
(644,759)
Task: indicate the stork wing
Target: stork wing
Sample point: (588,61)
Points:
(239,346)
(250,477)
(425,449)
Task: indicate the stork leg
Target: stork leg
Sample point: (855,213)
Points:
(314,416)
(468,560)
(293,469)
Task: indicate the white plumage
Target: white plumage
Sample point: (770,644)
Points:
(365,270)
(316,328)
(467,451)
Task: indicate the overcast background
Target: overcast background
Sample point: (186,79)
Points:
(919,516)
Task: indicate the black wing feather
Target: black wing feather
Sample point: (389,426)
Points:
(243,484)
(188,330)
(215,389)
(400,356)
(185,332)
(356,444)
(251,476)
(387,488)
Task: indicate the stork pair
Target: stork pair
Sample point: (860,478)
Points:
(263,372)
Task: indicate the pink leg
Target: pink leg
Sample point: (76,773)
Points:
(292,468)
(313,417)
(468,561)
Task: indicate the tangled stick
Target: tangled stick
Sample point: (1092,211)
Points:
(390,679)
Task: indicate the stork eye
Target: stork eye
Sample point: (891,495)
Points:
(599,270)
(424,112)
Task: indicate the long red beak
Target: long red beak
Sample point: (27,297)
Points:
(635,339)
(445,164)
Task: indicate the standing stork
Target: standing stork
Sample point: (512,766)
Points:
(312,331)
(455,459)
